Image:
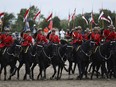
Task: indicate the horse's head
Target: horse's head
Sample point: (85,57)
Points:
(69,48)
(39,48)
(16,50)
(54,49)
(89,46)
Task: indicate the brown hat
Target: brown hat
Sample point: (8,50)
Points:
(78,28)
(40,29)
(111,26)
(53,30)
(96,29)
(7,29)
(87,30)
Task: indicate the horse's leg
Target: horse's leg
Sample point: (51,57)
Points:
(5,72)
(12,70)
(92,71)
(18,69)
(61,72)
(83,69)
(58,72)
(40,73)
(1,70)
(104,70)
(70,68)
(73,71)
(97,70)
(44,74)
(32,70)
(86,68)
(27,67)
(54,67)
(90,68)
(80,71)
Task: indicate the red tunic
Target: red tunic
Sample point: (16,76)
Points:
(27,40)
(85,37)
(77,38)
(96,38)
(6,40)
(41,39)
(54,38)
(109,35)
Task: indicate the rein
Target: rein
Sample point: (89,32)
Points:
(60,54)
(106,58)
(43,52)
(84,52)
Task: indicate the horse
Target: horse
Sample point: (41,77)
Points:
(58,59)
(101,55)
(82,57)
(26,58)
(69,57)
(111,63)
(9,57)
(42,59)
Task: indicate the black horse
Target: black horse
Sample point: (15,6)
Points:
(82,57)
(58,59)
(100,57)
(9,56)
(42,59)
(111,63)
(26,58)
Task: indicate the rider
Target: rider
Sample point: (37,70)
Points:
(68,35)
(27,39)
(40,38)
(77,37)
(109,34)
(95,36)
(6,38)
(53,37)
(87,34)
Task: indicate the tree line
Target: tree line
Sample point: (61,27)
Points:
(17,23)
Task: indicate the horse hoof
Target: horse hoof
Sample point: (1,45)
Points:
(4,79)
(33,79)
(51,78)
(87,78)
(57,78)
(73,72)
(9,78)
(78,78)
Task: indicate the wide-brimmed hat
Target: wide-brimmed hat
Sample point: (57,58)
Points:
(28,30)
(78,28)
(53,30)
(96,29)
(87,30)
(6,28)
(40,29)
(111,26)
(114,28)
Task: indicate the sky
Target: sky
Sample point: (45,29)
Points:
(59,8)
